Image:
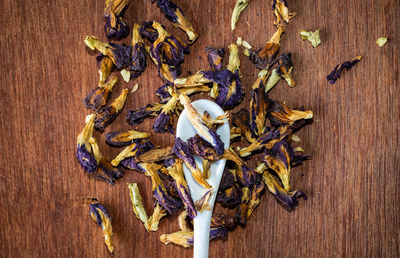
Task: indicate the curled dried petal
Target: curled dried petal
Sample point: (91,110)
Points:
(239,7)
(281,11)
(154,220)
(120,139)
(100,215)
(335,74)
(84,151)
(106,66)
(215,56)
(137,204)
(99,96)
(280,114)
(116,27)
(135,117)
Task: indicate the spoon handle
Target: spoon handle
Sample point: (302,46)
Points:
(201,224)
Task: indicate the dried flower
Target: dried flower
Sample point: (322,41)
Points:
(239,7)
(136,148)
(381,41)
(269,137)
(148,32)
(256,192)
(230,197)
(119,54)
(263,57)
(120,139)
(202,148)
(160,194)
(288,198)
(176,171)
(228,179)
(241,214)
(156,155)
(234,61)
(313,37)
(137,204)
(110,174)
(335,74)
(84,151)
(186,238)
(258,108)
(106,66)
(215,57)
(183,222)
(285,68)
(176,15)
(241,119)
(221,220)
(135,117)
(244,175)
(280,114)
(281,11)
(273,79)
(154,220)
(138,57)
(115,26)
(196,120)
(100,215)
(196,79)
(99,96)
(107,114)
(185,152)
(165,120)
(202,203)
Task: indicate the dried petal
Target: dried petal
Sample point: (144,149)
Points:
(381,41)
(154,220)
(116,27)
(106,66)
(84,151)
(335,74)
(135,117)
(120,139)
(165,120)
(281,11)
(313,37)
(107,114)
(241,119)
(256,192)
(230,197)
(138,59)
(99,96)
(176,15)
(279,160)
(100,215)
(135,149)
(202,203)
(186,238)
(202,148)
(239,7)
(285,68)
(234,61)
(280,114)
(184,152)
(221,220)
(137,204)
(258,108)
(156,155)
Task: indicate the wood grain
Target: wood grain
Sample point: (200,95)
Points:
(352,180)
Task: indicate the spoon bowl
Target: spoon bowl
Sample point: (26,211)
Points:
(185,130)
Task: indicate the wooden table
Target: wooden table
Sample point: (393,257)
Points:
(352,180)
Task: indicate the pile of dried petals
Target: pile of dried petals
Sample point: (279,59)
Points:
(267,126)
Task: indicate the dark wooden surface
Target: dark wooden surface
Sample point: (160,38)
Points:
(352,180)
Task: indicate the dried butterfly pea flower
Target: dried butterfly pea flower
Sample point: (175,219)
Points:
(186,238)
(120,139)
(280,114)
(234,61)
(258,108)
(269,137)
(183,222)
(281,11)
(241,119)
(154,220)
(285,68)
(135,117)
(176,15)
(115,26)
(230,197)
(202,203)
(84,151)
(156,155)
(165,120)
(196,79)
(214,123)
(202,148)
(273,79)
(148,32)
(244,175)
(245,194)
(107,114)
(239,7)
(221,220)
(137,204)
(215,57)
(136,148)
(201,128)
(263,57)
(313,37)
(235,132)
(185,152)
(100,215)
(381,41)
(230,91)
(176,171)
(287,198)
(119,54)
(110,173)
(99,96)
(206,168)
(106,66)
(228,179)
(335,74)
(256,193)
(138,57)
(160,193)
(279,160)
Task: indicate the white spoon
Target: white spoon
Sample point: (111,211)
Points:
(185,130)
